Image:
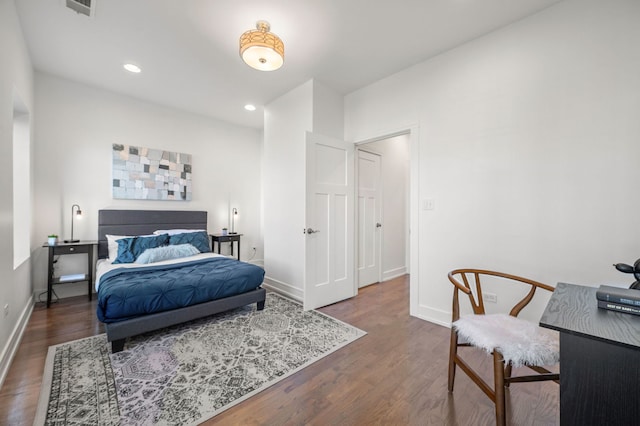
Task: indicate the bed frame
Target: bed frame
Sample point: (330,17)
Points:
(143,222)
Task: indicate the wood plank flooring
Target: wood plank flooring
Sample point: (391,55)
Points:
(395,375)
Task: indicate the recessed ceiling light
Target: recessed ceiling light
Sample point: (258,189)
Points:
(250,107)
(132,68)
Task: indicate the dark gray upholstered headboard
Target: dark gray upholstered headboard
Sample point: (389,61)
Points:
(144,222)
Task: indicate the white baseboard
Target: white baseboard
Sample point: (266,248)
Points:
(436,316)
(285,289)
(259,262)
(394,273)
(9,350)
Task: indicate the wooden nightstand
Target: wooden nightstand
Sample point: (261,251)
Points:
(60,249)
(229,238)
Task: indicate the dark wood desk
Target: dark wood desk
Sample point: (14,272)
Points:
(599,359)
(229,238)
(60,249)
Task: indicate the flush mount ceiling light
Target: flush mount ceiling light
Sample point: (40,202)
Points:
(250,107)
(132,68)
(261,49)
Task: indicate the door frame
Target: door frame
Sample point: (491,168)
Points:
(359,147)
(413,131)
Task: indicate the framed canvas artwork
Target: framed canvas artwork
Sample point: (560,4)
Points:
(141,173)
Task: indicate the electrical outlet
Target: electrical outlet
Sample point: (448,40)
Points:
(428,204)
(6,310)
(490,297)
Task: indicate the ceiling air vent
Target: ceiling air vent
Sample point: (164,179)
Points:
(84,7)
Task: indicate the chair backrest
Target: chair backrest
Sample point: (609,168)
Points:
(463,279)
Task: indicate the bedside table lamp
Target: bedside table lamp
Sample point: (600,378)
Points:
(79,215)
(234,213)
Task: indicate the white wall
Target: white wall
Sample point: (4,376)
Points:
(74,134)
(285,122)
(395,200)
(16,76)
(529,146)
(310,107)
(328,111)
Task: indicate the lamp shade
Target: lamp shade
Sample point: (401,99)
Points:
(261,49)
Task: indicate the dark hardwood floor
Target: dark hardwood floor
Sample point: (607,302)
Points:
(396,374)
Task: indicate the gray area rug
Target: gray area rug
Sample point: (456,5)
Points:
(188,373)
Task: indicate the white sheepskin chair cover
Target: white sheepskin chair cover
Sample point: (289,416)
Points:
(520,342)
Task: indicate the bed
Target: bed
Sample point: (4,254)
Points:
(138,298)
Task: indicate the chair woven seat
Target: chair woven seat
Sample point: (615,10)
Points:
(520,342)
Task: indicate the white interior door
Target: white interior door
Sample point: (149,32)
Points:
(329,232)
(369,218)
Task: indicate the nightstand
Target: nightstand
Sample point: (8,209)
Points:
(61,249)
(229,238)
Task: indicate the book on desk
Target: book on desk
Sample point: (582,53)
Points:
(619,307)
(618,299)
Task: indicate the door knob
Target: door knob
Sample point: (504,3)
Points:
(378,225)
(311,231)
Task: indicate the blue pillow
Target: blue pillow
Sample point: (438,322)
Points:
(130,248)
(167,252)
(199,240)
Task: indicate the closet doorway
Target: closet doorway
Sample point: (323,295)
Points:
(382,214)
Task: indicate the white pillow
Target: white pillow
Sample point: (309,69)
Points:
(112,244)
(176,231)
(167,252)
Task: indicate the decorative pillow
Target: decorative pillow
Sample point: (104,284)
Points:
(199,240)
(177,231)
(112,244)
(166,252)
(130,248)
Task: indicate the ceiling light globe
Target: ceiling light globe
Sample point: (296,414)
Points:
(262,58)
(261,49)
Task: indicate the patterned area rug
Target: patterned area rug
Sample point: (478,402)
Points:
(185,374)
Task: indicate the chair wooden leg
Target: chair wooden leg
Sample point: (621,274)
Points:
(453,351)
(507,374)
(498,375)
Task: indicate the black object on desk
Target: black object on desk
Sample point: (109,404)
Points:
(628,269)
(229,238)
(599,358)
(61,249)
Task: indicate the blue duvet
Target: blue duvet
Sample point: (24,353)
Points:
(131,292)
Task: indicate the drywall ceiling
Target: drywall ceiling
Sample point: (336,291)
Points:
(188,49)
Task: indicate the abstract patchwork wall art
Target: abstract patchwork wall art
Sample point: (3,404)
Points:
(150,174)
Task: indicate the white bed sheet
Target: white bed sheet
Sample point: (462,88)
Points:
(103,265)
